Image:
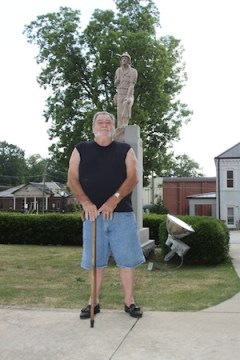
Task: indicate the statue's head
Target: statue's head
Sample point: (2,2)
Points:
(126,54)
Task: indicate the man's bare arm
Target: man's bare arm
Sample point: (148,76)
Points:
(132,174)
(89,208)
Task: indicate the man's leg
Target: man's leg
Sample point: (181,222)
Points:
(99,281)
(127,279)
(86,311)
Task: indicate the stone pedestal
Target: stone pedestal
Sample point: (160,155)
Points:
(131,135)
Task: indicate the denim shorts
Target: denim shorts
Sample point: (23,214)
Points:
(117,237)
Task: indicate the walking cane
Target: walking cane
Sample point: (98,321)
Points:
(93,275)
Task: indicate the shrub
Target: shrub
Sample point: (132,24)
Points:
(153,221)
(157,208)
(54,229)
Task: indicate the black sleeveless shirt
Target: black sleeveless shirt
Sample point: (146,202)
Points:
(102,170)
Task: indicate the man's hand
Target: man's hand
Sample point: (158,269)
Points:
(90,211)
(108,207)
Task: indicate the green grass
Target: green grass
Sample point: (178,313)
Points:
(51,277)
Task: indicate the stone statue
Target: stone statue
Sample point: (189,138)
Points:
(125,80)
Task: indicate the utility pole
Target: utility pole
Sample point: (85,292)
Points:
(152,189)
(43,189)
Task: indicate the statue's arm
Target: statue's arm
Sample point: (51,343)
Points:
(117,78)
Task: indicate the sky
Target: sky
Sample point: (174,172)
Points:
(209,32)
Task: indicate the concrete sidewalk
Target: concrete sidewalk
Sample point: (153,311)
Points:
(39,334)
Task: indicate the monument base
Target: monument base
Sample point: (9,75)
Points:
(131,135)
(147,245)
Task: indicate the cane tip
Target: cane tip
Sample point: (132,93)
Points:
(92,323)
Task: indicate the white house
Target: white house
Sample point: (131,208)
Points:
(35,197)
(228,186)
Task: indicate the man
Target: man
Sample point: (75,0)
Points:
(125,80)
(102,174)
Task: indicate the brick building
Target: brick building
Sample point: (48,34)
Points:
(177,189)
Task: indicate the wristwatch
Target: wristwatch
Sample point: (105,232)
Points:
(118,195)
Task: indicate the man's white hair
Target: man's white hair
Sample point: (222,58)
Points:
(112,117)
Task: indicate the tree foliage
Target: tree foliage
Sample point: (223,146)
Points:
(183,166)
(78,67)
(35,168)
(15,169)
(12,165)
(41,169)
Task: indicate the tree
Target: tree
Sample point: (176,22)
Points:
(40,169)
(35,168)
(79,66)
(12,165)
(16,170)
(184,166)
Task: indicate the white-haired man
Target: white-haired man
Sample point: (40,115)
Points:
(102,175)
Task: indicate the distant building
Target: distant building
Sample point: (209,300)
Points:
(228,186)
(177,192)
(222,202)
(203,204)
(35,197)
(153,191)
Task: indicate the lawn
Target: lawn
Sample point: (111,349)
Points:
(51,277)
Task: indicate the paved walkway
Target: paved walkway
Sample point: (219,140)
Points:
(211,334)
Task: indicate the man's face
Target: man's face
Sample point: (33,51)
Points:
(103,126)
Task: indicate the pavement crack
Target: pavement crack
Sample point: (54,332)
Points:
(123,340)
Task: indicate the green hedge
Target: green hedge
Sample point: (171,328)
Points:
(209,244)
(47,229)
(57,229)
(153,221)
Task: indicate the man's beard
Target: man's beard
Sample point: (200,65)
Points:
(108,134)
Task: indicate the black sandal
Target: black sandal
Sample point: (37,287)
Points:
(134,310)
(86,312)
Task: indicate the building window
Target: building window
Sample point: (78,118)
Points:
(230,216)
(230,179)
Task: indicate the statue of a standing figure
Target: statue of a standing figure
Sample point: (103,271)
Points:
(125,80)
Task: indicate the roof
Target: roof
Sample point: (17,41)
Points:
(52,187)
(9,192)
(232,153)
(189,179)
(210,195)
